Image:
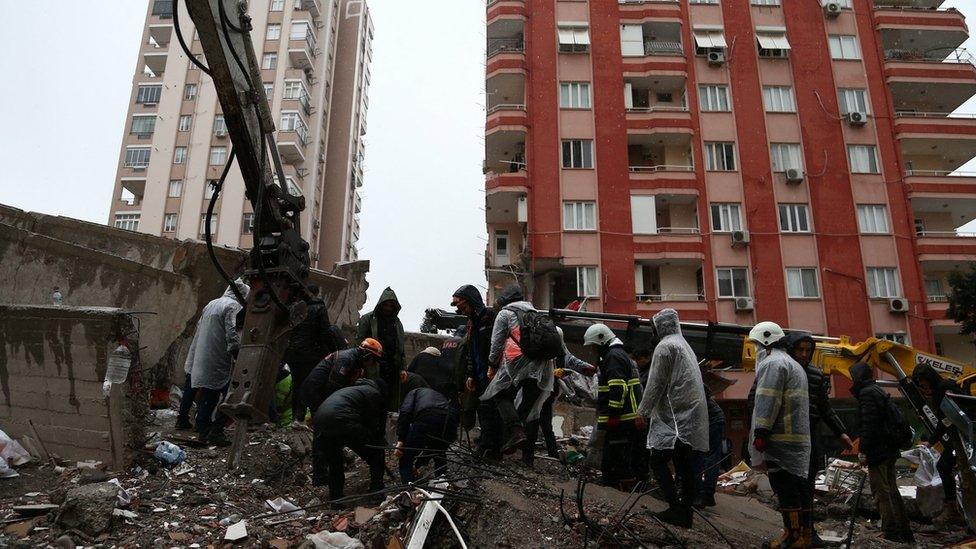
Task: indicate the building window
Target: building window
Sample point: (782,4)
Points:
(586,282)
(179,155)
(714,2)
(863,158)
(247,223)
(765,2)
(127,221)
(501,244)
(269,61)
(872,218)
(713,98)
(720,157)
(579,216)
(574,39)
(801,283)
(853,100)
(844,46)
(772,43)
(143,125)
(786,156)
(643,214)
(273,32)
(300,30)
(578,153)
(574,95)
(218,156)
(203,226)
(185,121)
(269,90)
(137,157)
(169,223)
(794,218)
(726,218)
(175,188)
(149,94)
(732,282)
(779,99)
(277,5)
(190,92)
(293,89)
(708,40)
(883,282)
(209,189)
(897,337)
(220,125)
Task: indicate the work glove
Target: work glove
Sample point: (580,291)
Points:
(589,370)
(761,437)
(594,453)
(559,373)
(640,422)
(398,452)
(613,422)
(491,373)
(469,385)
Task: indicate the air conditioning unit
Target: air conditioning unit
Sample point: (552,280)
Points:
(316,223)
(221,133)
(832,9)
(716,58)
(898,305)
(794,175)
(740,238)
(856,118)
(744,304)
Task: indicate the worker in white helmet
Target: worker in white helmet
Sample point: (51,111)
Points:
(781,432)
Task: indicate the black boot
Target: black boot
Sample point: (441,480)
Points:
(677,516)
(515,441)
(792,535)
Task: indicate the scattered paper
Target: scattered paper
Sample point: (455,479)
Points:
(236,531)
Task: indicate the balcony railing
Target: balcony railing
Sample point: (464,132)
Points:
(645,298)
(663,48)
(648,2)
(942,55)
(506,107)
(678,231)
(662,168)
(163,8)
(657,108)
(923,114)
(938,298)
(938,173)
(505,45)
(945,234)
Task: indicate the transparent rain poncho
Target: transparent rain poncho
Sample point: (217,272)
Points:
(674,398)
(783,407)
(209,361)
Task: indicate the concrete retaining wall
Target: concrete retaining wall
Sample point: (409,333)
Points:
(52,364)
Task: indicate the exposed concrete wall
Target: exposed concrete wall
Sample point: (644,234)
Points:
(52,364)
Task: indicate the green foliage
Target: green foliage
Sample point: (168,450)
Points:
(962,299)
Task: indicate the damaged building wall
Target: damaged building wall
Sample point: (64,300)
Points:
(52,365)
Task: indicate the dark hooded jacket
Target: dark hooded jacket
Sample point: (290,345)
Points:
(313,339)
(422,405)
(510,294)
(940,387)
(439,374)
(873,410)
(619,390)
(818,387)
(358,411)
(478,335)
(390,335)
(339,369)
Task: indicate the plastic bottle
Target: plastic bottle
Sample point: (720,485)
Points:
(118,364)
(169,453)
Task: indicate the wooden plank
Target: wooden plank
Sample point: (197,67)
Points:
(116,398)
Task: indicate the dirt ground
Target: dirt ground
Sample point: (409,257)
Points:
(493,505)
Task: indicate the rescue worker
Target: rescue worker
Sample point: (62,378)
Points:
(711,463)
(355,418)
(426,427)
(800,346)
(511,372)
(338,370)
(210,361)
(568,361)
(781,432)
(477,345)
(383,324)
(309,342)
(618,425)
(674,401)
(934,388)
(429,365)
(642,360)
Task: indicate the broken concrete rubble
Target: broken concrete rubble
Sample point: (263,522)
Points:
(89,508)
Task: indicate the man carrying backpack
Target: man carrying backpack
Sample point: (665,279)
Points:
(524,343)
(880,427)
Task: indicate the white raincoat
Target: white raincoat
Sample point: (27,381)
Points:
(674,399)
(209,361)
(513,367)
(782,407)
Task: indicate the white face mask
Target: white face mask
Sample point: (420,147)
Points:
(761,353)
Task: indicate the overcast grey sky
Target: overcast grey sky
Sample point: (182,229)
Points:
(67,71)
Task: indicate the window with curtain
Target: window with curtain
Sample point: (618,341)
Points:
(863,158)
(883,282)
(785,156)
(579,216)
(843,46)
(801,282)
(720,157)
(872,218)
(726,218)
(779,99)
(143,125)
(732,282)
(574,95)
(578,153)
(587,283)
(149,94)
(853,100)
(794,218)
(713,98)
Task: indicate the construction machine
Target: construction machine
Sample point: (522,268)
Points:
(730,346)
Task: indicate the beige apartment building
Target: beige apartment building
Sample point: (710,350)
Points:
(315,58)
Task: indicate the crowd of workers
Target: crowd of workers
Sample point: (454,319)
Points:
(655,414)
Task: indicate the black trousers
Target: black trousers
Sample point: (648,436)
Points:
(186,400)
(624,454)
(545,423)
(512,417)
(686,464)
(946,466)
(428,439)
(791,491)
(327,463)
(815,463)
(299,371)
(209,420)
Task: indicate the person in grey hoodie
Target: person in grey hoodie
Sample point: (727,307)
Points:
(674,402)
(511,372)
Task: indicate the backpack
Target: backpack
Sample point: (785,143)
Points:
(896,427)
(538,337)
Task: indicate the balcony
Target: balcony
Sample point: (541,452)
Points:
(935,274)
(935,183)
(675,283)
(925,30)
(505,35)
(161,33)
(505,88)
(505,150)
(291,147)
(162,9)
(930,86)
(951,344)
(505,8)
(640,9)
(656,102)
(936,141)
(661,160)
(944,226)
(506,207)
(300,54)
(666,226)
(312,7)
(155,63)
(917,4)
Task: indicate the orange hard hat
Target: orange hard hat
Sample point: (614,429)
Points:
(372,347)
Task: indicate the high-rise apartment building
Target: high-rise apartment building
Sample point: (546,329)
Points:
(737,160)
(176,141)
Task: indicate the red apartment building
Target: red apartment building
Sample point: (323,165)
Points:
(737,160)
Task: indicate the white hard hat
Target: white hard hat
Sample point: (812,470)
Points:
(598,334)
(766,333)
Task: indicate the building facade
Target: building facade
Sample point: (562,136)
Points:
(176,141)
(737,160)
